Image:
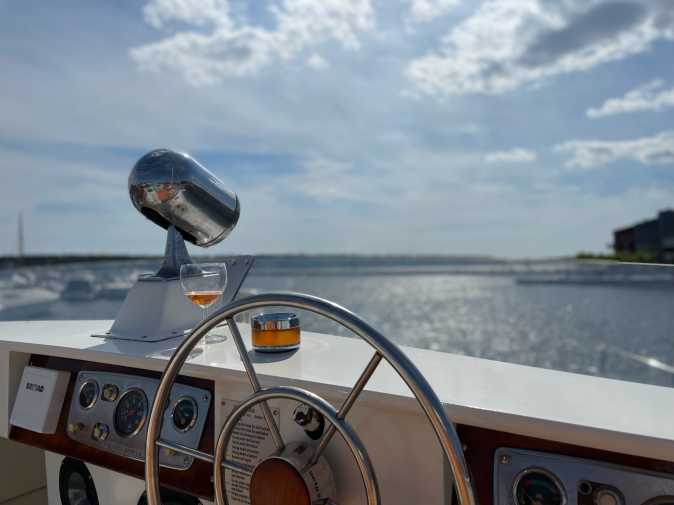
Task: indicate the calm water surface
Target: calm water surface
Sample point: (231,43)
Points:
(620,331)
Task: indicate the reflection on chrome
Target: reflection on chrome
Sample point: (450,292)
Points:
(171,188)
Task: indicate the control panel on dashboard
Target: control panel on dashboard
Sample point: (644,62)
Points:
(109,411)
(537,478)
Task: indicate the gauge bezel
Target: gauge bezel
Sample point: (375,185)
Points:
(93,402)
(541,470)
(194,418)
(143,419)
(115,387)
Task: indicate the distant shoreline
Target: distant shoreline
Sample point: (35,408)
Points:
(58,259)
(7,262)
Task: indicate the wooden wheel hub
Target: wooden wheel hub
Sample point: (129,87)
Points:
(287,478)
(276,481)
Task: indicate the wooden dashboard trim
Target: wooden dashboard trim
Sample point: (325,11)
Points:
(480,445)
(196,480)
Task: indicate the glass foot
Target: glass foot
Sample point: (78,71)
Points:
(215,338)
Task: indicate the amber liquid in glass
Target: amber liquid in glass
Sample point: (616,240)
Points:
(203,298)
(276,338)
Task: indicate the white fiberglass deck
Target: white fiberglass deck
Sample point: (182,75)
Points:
(577,409)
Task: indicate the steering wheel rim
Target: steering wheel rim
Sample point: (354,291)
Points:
(384,349)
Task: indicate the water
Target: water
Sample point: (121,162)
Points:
(614,329)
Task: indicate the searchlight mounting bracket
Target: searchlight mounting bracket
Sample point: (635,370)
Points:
(177,193)
(175,255)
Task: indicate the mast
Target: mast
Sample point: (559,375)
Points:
(20,243)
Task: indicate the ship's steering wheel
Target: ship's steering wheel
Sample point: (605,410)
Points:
(293,464)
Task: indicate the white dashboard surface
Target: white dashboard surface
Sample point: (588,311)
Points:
(589,411)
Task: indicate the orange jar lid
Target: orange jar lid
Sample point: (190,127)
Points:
(275,332)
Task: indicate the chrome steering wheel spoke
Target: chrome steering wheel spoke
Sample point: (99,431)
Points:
(348,403)
(204,456)
(255,382)
(187,451)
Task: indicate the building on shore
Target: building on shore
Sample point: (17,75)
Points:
(654,237)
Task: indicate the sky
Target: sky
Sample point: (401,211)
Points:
(525,128)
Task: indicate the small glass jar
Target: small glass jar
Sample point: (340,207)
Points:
(275,332)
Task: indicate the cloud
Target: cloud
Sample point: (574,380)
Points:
(515,155)
(506,44)
(220,45)
(648,97)
(337,155)
(325,179)
(422,11)
(317,62)
(159,13)
(655,150)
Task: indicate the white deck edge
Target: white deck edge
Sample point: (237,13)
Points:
(605,414)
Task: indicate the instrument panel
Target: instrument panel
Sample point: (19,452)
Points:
(524,477)
(109,411)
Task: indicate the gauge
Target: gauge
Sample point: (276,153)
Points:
(536,486)
(100,432)
(184,413)
(131,412)
(88,394)
(110,392)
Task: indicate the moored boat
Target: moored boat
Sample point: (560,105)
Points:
(79,290)
(26,303)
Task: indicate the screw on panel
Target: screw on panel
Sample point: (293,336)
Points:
(505,459)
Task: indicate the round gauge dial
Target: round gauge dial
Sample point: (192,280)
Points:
(184,414)
(88,394)
(538,487)
(110,392)
(131,413)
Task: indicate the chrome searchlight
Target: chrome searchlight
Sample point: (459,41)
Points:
(172,188)
(179,194)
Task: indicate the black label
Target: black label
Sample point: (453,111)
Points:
(34,387)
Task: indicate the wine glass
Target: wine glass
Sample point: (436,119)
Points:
(203,284)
